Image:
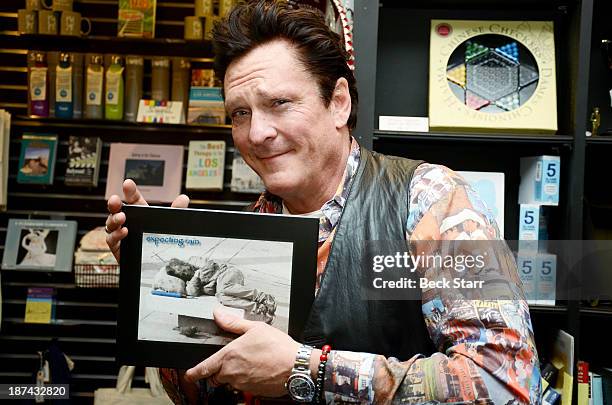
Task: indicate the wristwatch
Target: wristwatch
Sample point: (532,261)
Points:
(299,384)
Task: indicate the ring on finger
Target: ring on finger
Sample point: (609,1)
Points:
(107,230)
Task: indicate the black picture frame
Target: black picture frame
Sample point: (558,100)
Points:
(302,232)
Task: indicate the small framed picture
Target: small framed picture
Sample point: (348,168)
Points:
(178,265)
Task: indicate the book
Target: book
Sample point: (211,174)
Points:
(40,305)
(5,138)
(37,158)
(83,161)
(563,359)
(244,179)
(205,165)
(596,389)
(583,383)
(156,169)
(205,99)
(490,188)
(39,244)
(136,18)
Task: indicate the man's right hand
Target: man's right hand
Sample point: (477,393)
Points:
(114,223)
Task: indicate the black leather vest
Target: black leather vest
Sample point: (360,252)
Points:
(376,209)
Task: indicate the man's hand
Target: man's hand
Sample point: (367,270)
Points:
(259,361)
(114,223)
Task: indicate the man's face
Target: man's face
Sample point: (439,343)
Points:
(280,124)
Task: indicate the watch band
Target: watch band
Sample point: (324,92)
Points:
(302,359)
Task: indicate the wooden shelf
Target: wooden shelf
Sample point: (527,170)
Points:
(548,309)
(474,137)
(486,4)
(35,122)
(109,44)
(600,139)
(596,311)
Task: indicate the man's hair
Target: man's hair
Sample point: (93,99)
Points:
(319,49)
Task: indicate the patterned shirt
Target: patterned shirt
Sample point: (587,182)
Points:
(480,361)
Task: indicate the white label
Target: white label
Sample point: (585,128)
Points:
(94,87)
(38,83)
(413,124)
(113,78)
(63,85)
(163,112)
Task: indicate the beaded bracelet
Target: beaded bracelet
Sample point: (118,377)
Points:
(319,392)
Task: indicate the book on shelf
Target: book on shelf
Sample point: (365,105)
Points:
(37,158)
(205,165)
(136,18)
(40,305)
(5,138)
(584,389)
(39,244)
(205,99)
(83,161)
(244,179)
(563,359)
(156,169)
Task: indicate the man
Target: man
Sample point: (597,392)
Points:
(292,100)
(225,282)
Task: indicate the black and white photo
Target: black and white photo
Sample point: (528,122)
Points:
(184,278)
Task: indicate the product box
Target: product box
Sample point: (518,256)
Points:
(37,158)
(533,227)
(492,76)
(205,165)
(540,180)
(38,244)
(547,279)
(538,272)
(527,269)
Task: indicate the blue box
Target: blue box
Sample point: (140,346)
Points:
(540,180)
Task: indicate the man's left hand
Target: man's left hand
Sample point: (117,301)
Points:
(259,361)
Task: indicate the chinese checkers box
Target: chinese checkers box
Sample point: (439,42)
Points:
(492,76)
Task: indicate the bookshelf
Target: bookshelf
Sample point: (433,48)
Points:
(86,319)
(392,43)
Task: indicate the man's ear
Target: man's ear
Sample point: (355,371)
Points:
(340,103)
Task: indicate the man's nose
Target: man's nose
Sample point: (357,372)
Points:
(262,128)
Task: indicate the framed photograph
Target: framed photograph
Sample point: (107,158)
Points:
(38,244)
(178,265)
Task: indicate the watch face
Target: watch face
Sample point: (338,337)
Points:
(301,388)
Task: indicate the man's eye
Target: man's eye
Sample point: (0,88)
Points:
(280,101)
(239,113)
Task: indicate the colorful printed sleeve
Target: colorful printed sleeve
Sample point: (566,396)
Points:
(486,349)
